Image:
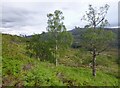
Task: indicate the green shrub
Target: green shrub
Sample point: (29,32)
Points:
(40,76)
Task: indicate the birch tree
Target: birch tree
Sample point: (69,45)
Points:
(60,38)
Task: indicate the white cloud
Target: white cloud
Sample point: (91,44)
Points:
(26,30)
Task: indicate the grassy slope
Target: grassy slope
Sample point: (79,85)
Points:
(19,69)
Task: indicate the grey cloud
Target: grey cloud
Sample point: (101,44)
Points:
(20,16)
(16,16)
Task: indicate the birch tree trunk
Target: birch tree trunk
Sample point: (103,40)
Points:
(56,54)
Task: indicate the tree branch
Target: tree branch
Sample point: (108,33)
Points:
(101,50)
(100,20)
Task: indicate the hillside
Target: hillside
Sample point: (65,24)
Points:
(18,69)
(77,33)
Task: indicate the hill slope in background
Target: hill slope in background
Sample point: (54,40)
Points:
(77,33)
(18,69)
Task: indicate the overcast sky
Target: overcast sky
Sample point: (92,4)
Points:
(28,17)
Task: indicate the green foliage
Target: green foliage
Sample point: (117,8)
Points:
(41,76)
(97,39)
(13,46)
(16,72)
(83,56)
(46,74)
(77,33)
(38,46)
(60,39)
(55,23)
(11,67)
(82,77)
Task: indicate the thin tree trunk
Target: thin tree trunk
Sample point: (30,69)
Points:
(94,54)
(94,63)
(56,54)
(56,62)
